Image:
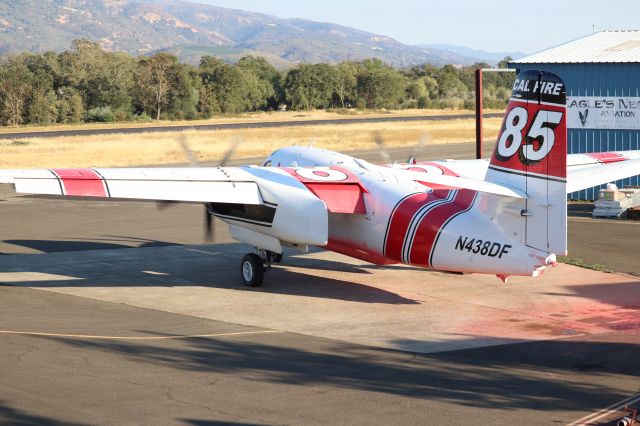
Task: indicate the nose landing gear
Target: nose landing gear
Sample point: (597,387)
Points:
(253,266)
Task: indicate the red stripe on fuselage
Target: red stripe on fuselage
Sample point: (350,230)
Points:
(81,182)
(432,223)
(399,222)
(402,218)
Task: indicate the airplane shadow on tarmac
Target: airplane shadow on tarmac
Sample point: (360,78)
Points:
(56,246)
(506,377)
(14,416)
(164,265)
(107,242)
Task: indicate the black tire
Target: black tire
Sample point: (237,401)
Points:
(252,270)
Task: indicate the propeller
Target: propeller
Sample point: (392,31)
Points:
(230,151)
(417,149)
(208,225)
(379,140)
(190,155)
(187,151)
(193,162)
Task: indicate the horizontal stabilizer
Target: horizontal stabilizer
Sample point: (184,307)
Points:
(464,183)
(588,177)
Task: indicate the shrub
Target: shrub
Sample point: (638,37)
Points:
(100,115)
(142,117)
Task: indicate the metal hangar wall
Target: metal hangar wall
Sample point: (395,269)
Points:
(602,76)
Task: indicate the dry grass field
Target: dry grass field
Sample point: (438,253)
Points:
(121,150)
(251,117)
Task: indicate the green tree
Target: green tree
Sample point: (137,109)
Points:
(505,62)
(231,88)
(154,77)
(228,88)
(449,84)
(431,85)
(420,71)
(263,79)
(183,93)
(102,78)
(380,85)
(346,83)
(69,105)
(15,89)
(42,108)
(310,86)
(208,104)
(416,89)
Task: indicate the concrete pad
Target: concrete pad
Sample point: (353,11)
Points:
(327,295)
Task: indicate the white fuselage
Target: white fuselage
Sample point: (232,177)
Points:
(408,222)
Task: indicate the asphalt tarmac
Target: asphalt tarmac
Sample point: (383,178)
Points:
(125,317)
(164,368)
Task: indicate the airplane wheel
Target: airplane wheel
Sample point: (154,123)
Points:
(252,270)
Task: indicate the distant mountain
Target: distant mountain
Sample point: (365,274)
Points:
(191,29)
(491,57)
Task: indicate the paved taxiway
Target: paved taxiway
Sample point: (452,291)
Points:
(136,328)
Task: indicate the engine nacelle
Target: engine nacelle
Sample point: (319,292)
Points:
(290,213)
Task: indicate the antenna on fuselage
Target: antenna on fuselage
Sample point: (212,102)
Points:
(417,149)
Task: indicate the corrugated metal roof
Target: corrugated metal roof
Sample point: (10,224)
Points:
(603,46)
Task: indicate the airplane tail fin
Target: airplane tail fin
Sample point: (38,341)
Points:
(531,156)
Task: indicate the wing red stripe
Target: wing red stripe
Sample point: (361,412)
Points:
(607,157)
(81,182)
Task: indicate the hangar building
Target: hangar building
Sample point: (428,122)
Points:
(602,76)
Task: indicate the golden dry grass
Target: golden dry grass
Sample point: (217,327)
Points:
(164,148)
(246,118)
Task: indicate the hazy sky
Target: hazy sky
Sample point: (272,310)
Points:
(494,25)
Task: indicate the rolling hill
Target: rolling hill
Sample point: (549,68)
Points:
(491,57)
(191,29)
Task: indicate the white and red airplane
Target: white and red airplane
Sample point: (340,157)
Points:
(506,216)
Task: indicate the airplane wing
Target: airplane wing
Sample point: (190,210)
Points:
(230,185)
(339,188)
(589,170)
(288,204)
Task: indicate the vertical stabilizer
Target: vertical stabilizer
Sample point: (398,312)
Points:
(531,155)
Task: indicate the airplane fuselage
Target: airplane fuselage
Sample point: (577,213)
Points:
(404,221)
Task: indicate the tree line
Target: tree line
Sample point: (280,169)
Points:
(89,84)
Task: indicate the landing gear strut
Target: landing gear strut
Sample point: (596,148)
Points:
(253,266)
